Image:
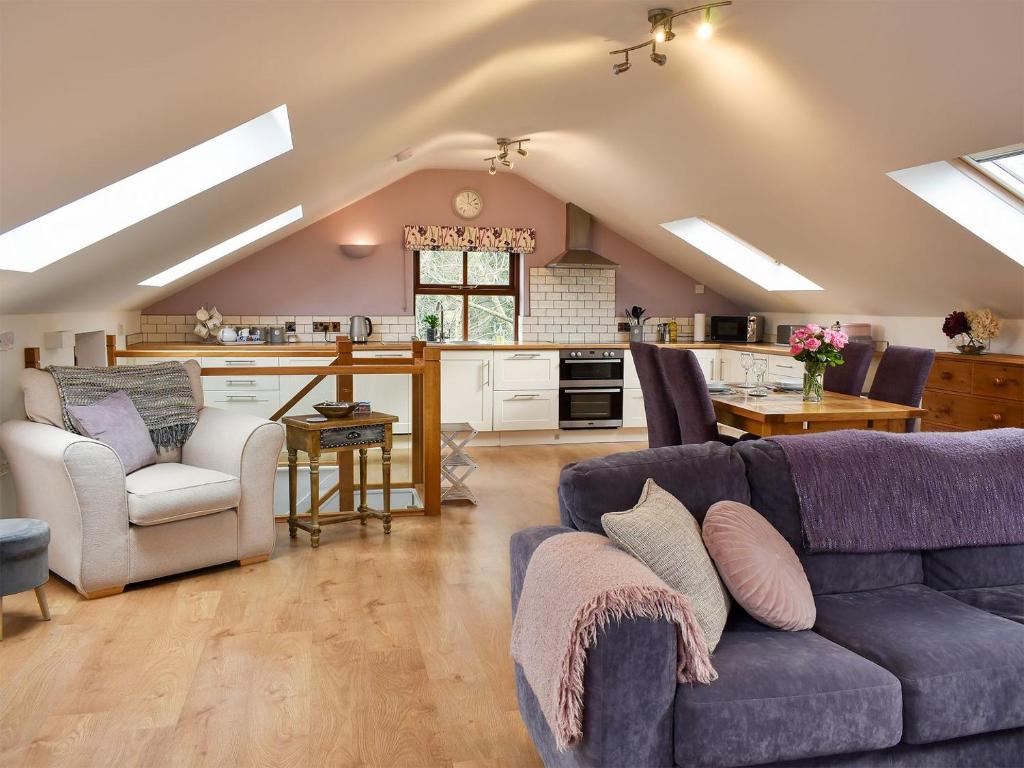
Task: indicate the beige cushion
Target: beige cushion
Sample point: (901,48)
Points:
(42,401)
(164,492)
(661,533)
(758,566)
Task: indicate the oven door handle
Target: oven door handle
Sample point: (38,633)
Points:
(593,390)
(595,360)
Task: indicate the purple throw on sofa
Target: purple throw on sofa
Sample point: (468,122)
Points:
(863,491)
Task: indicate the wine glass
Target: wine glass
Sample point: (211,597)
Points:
(760,369)
(747,361)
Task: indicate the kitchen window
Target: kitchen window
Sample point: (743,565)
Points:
(478,290)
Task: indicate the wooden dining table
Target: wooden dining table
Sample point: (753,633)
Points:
(786,413)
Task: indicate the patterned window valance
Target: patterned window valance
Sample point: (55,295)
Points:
(439,238)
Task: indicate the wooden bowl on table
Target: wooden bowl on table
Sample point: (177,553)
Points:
(337,410)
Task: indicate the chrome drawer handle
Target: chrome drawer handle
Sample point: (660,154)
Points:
(241,381)
(241,362)
(523,397)
(251,398)
(387,354)
(524,355)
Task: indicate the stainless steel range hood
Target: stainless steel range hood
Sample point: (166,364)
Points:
(577,252)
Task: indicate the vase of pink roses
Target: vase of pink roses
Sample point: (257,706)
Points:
(817,348)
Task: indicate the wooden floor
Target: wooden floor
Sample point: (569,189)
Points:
(371,651)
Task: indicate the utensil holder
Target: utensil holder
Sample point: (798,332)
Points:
(636,333)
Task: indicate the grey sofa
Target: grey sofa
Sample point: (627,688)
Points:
(916,659)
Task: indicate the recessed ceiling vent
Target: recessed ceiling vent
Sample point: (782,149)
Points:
(577,252)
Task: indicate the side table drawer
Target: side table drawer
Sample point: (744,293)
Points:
(345,436)
(998,381)
(951,375)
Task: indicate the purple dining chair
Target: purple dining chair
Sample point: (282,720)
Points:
(848,378)
(662,426)
(689,392)
(901,375)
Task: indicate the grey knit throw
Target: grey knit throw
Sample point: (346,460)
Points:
(864,491)
(161,392)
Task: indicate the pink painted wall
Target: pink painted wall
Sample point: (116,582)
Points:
(306,274)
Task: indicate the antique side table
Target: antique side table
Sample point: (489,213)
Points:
(360,432)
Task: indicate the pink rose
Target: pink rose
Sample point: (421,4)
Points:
(812,344)
(795,350)
(795,339)
(813,329)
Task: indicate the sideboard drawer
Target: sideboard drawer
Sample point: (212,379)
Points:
(998,381)
(971,412)
(951,375)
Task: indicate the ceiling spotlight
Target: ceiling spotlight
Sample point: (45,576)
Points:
(503,155)
(508,163)
(504,148)
(658,58)
(661,24)
(522,152)
(705,30)
(619,67)
(493,169)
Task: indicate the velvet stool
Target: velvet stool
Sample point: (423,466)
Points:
(23,561)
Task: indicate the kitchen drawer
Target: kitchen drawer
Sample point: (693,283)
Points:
(785,367)
(998,381)
(629,375)
(239,362)
(934,426)
(240,383)
(155,360)
(633,413)
(537,409)
(951,375)
(525,370)
(261,404)
(971,412)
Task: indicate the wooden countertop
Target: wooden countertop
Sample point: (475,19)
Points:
(320,349)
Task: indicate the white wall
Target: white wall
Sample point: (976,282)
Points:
(28,332)
(904,331)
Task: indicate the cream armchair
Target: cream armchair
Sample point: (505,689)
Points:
(209,503)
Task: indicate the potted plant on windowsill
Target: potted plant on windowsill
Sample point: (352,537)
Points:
(973,329)
(817,348)
(431,322)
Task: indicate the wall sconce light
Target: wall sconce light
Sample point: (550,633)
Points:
(358,251)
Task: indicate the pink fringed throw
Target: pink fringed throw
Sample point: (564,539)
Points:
(576,584)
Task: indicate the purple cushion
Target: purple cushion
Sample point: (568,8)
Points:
(115,420)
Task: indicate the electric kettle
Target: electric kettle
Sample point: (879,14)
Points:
(360,328)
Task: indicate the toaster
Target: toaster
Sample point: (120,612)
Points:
(783,332)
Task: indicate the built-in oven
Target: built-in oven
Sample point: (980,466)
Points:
(590,388)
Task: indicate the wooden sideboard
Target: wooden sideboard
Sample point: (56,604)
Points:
(974,392)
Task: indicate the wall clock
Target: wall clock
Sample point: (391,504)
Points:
(467,203)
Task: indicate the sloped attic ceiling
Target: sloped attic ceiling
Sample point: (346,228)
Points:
(780,129)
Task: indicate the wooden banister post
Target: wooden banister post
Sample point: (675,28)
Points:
(432,431)
(417,417)
(344,391)
(31,357)
(111,346)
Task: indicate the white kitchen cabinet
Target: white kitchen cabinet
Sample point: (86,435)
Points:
(708,359)
(467,388)
(630,378)
(729,367)
(237,362)
(525,370)
(784,368)
(289,385)
(514,410)
(633,413)
(261,404)
(386,393)
(154,360)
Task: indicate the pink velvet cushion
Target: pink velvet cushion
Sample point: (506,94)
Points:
(760,569)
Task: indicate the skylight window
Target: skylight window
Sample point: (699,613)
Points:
(1004,165)
(739,256)
(100,214)
(969,203)
(221,250)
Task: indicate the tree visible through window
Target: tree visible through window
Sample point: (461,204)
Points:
(477,290)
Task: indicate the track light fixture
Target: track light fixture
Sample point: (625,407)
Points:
(503,152)
(661,32)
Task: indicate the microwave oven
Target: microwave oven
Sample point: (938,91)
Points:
(737,328)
